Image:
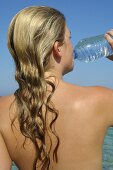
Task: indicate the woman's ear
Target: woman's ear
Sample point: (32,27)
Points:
(57,49)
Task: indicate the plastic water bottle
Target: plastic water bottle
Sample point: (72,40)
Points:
(92,48)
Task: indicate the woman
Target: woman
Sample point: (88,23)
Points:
(39,42)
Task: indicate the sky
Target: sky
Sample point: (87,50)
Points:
(84,18)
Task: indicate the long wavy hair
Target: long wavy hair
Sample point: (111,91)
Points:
(31,36)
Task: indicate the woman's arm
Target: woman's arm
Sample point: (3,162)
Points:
(5,160)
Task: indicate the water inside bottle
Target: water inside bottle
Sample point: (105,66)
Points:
(92,48)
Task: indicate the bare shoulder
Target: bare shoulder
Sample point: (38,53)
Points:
(97,92)
(102,98)
(103,94)
(95,100)
(5,103)
(6,99)
(89,92)
(102,90)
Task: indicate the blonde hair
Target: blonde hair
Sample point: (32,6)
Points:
(31,36)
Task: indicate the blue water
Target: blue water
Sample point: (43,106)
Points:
(107,151)
(14,168)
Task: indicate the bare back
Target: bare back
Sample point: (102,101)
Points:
(80,127)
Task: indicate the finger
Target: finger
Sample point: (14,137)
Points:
(110,32)
(109,39)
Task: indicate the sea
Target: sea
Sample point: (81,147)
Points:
(107,151)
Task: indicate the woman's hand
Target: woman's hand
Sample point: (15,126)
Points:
(110,41)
